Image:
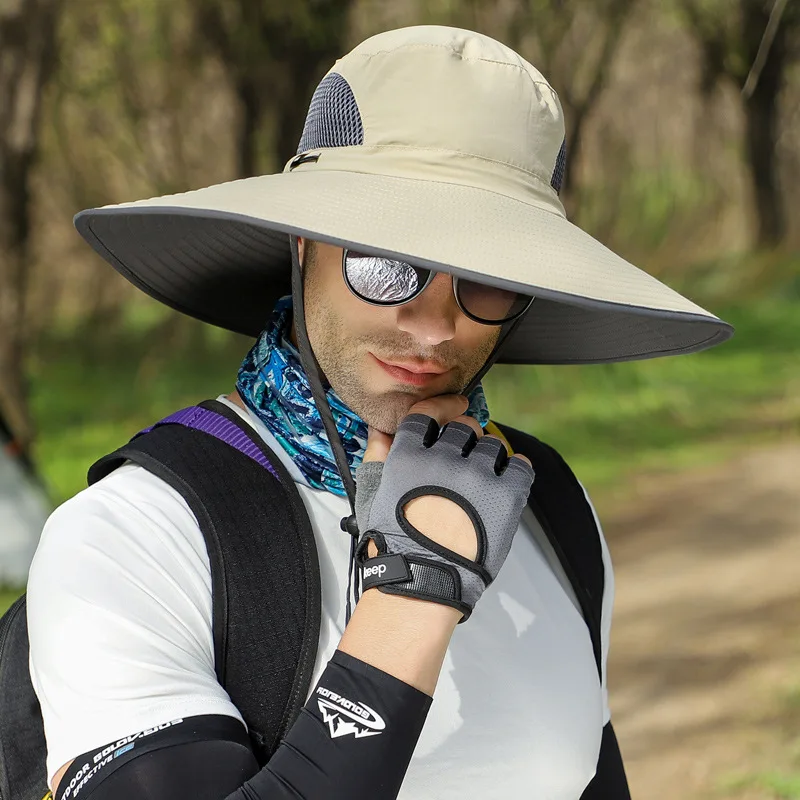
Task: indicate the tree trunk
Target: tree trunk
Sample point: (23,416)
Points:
(302,79)
(247,135)
(761,125)
(583,107)
(27,46)
(274,58)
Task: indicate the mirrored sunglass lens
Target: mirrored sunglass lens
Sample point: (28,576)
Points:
(490,303)
(381,280)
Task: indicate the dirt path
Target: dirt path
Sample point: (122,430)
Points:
(705,656)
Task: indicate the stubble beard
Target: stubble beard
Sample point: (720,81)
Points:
(343,359)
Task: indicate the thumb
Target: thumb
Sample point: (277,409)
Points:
(378,444)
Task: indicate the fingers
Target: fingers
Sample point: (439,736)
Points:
(522,458)
(494,450)
(519,470)
(490,438)
(462,433)
(470,422)
(459,435)
(378,444)
(443,408)
(446,408)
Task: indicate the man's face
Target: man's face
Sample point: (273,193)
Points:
(382,360)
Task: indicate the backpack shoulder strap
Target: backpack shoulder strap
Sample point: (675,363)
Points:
(264,566)
(559,503)
(23,750)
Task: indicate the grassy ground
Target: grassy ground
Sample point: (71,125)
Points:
(92,392)
(778,785)
(777,771)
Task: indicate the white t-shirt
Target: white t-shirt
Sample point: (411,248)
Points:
(119,614)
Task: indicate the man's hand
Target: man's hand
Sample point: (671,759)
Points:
(440,514)
(437,517)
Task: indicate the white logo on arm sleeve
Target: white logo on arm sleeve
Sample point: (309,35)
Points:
(344,717)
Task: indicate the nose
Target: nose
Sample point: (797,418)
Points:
(431,316)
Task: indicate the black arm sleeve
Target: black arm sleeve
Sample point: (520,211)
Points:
(609,782)
(353,739)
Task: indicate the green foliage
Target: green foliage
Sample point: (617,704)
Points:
(7,596)
(725,31)
(92,391)
(647,210)
(792,699)
(123,117)
(781,786)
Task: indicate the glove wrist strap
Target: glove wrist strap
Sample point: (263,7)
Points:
(414,577)
(383,570)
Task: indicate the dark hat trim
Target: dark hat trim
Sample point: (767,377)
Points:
(188,275)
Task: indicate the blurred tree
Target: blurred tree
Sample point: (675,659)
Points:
(124,104)
(27,58)
(575,44)
(136,107)
(730,35)
(275,54)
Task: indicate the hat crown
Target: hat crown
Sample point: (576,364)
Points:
(444,91)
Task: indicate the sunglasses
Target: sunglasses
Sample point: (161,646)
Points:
(386,282)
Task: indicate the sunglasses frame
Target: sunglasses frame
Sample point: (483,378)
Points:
(421,289)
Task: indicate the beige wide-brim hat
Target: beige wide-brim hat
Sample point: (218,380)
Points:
(429,144)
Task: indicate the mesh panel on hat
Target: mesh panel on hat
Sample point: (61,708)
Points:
(333,117)
(560,168)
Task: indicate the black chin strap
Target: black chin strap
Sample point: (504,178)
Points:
(505,332)
(314,374)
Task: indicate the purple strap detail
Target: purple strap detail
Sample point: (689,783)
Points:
(203,419)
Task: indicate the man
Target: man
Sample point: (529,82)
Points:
(420,233)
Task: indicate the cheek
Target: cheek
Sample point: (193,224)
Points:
(472,337)
(336,320)
(363,321)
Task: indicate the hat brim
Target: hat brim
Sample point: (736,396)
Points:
(221,254)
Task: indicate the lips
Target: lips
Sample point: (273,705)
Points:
(417,373)
(417,367)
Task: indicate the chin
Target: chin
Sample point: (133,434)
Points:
(384,412)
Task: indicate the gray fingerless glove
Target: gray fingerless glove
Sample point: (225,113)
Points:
(474,473)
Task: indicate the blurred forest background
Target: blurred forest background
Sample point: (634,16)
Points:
(683,140)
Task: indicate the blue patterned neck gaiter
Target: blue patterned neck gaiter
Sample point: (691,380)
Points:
(274,386)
